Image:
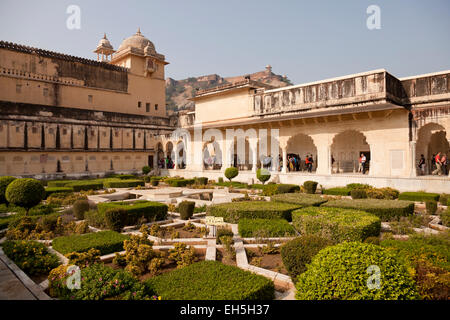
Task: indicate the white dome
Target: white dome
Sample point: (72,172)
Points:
(104,42)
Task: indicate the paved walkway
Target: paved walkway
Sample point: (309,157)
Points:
(11,288)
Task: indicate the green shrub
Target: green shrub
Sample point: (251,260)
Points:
(431,206)
(390,193)
(147,179)
(30,256)
(96,219)
(231,173)
(297,253)
(118,183)
(151,211)
(419,196)
(220,180)
(339,191)
(179,182)
(385,209)
(223,232)
(87,185)
(211,280)
(146,170)
(79,208)
(154,182)
(233,211)
(186,209)
(51,190)
(99,282)
(25,193)
(115,219)
(336,224)
(445,217)
(265,227)
(272,189)
(4,182)
(341,272)
(105,241)
(444,199)
(310,186)
(301,199)
(201,180)
(358,194)
(358,186)
(263,175)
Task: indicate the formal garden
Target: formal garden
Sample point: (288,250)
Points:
(151,238)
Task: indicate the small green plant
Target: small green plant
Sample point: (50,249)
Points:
(84,259)
(4,182)
(231,173)
(186,209)
(310,186)
(431,206)
(359,194)
(146,169)
(79,208)
(182,254)
(263,175)
(115,219)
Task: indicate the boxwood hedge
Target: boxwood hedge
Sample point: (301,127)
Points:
(336,224)
(265,228)
(105,241)
(152,211)
(301,199)
(272,189)
(211,280)
(51,190)
(122,183)
(233,211)
(84,185)
(419,196)
(385,209)
(338,191)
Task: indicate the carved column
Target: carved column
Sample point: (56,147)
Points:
(412,152)
(284,169)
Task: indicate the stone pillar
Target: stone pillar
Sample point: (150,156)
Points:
(412,152)
(254,147)
(176,157)
(284,169)
(165,157)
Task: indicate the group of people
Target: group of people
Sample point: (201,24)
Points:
(439,164)
(295,163)
(166,163)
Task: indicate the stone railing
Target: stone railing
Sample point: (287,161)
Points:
(357,89)
(38,76)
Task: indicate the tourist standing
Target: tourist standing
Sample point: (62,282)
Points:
(444,164)
(363,163)
(360,168)
(310,163)
(422,164)
(437,160)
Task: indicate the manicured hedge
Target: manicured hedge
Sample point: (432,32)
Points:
(105,241)
(302,199)
(211,280)
(179,182)
(4,182)
(152,211)
(336,224)
(338,191)
(385,209)
(201,180)
(341,273)
(272,189)
(120,183)
(58,183)
(419,196)
(85,185)
(265,227)
(233,211)
(51,190)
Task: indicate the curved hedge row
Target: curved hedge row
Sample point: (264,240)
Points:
(336,224)
(211,280)
(338,191)
(121,183)
(265,228)
(384,209)
(419,196)
(233,211)
(301,199)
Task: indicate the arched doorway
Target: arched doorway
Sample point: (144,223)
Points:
(432,138)
(299,148)
(346,150)
(170,158)
(160,155)
(242,154)
(212,155)
(181,155)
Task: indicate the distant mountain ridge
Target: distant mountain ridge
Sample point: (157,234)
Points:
(179,91)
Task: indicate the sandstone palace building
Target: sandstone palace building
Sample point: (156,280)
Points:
(63,115)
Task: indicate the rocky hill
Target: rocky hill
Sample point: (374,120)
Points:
(179,91)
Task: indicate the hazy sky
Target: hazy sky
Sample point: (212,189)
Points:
(306,40)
